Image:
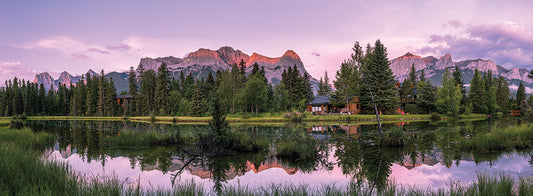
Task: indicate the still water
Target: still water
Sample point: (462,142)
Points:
(430,158)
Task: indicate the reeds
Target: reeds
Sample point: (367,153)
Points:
(510,137)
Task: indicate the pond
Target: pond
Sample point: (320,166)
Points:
(431,156)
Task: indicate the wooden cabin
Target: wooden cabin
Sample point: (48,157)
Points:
(320,105)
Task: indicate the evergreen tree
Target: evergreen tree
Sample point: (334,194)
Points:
(242,67)
(324,87)
(477,95)
(92,95)
(162,90)
(502,95)
(111,105)
(426,96)
(521,96)
(448,96)
(101,94)
(422,75)
(198,102)
(378,74)
(133,88)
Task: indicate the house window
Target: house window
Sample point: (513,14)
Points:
(317,109)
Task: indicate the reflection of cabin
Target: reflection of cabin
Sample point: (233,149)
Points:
(320,105)
(349,130)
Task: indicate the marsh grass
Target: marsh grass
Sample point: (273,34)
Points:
(147,138)
(519,137)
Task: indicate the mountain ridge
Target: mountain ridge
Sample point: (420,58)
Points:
(434,68)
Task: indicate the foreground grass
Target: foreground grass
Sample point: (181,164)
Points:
(23,172)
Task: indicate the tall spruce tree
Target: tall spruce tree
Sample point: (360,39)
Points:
(502,95)
(477,95)
(378,74)
(162,90)
(133,88)
(521,96)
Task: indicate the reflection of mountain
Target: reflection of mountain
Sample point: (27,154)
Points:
(204,172)
(431,159)
(65,153)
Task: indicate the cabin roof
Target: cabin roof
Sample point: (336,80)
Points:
(321,100)
(124,97)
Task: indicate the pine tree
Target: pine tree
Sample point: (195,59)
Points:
(198,102)
(242,67)
(162,90)
(458,81)
(378,74)
(477,95)
(521,96)
(448,96)
(111,106)
(133,88)
(324,88)
(426,96)
(502,95)
(101,95)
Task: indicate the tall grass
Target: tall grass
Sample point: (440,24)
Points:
(511,137)
(148,138)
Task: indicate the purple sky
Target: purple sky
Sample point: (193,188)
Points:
(55,36)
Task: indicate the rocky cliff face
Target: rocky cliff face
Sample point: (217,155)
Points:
(204,61)
(434,68)
(199,63)
(45,79)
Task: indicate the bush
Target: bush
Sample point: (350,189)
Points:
(394,137)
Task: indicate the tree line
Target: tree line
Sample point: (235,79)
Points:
(159,93)
(369,71)
(364,72)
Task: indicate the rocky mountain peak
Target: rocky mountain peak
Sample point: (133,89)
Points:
(45,79)
(430,60)
(444,62)
(409,55)
(230,56)
(291,54)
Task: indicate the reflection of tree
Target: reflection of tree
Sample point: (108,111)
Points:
(367,162)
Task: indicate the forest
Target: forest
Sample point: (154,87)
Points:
(157,93)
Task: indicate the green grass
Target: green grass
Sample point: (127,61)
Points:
(144,139)
(256,118)
(518,136)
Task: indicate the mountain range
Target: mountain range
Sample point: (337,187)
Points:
(434,68)
(199,63)
(204,61)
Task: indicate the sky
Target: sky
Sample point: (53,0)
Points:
(75,36)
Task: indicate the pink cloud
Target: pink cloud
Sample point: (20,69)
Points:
(79,56)
(9,70)
(507,44)
(122,47)
(315,54)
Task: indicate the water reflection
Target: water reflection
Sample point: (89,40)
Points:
(431,156)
